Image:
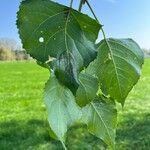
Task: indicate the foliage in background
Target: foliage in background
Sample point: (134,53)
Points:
(8,43)
(146,53)
(10,51)
(6,54)
(86,79)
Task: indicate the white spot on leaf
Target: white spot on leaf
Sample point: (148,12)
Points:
(108,59)
(50,59)
(109,56)
(41,39)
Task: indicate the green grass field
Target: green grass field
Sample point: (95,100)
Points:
(23,122)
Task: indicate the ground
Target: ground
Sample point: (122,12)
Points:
(23,117)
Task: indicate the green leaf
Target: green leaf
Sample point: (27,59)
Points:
(63,112)
(119,65)
(48,29)
(87,90)
(101,118)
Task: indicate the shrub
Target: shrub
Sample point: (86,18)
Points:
(6,54)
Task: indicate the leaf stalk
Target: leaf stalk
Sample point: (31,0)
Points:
(92,11)
(82,2)
(71,3)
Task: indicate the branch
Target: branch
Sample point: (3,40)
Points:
(82,2)
(71,3)
(86,1)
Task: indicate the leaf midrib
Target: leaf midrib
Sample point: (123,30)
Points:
(115,67)
(102,121)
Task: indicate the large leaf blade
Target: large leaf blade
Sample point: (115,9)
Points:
(88,87)
(119,65)
(48,29)
(101,118)
(63,112)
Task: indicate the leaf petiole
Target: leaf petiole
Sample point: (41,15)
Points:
(71,3)
(86,1)
(82,2)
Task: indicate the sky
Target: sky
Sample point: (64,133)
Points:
(121,18)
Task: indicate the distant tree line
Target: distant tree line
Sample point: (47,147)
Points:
(146,52)
(9,50)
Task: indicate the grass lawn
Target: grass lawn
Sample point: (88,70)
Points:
(23,119)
